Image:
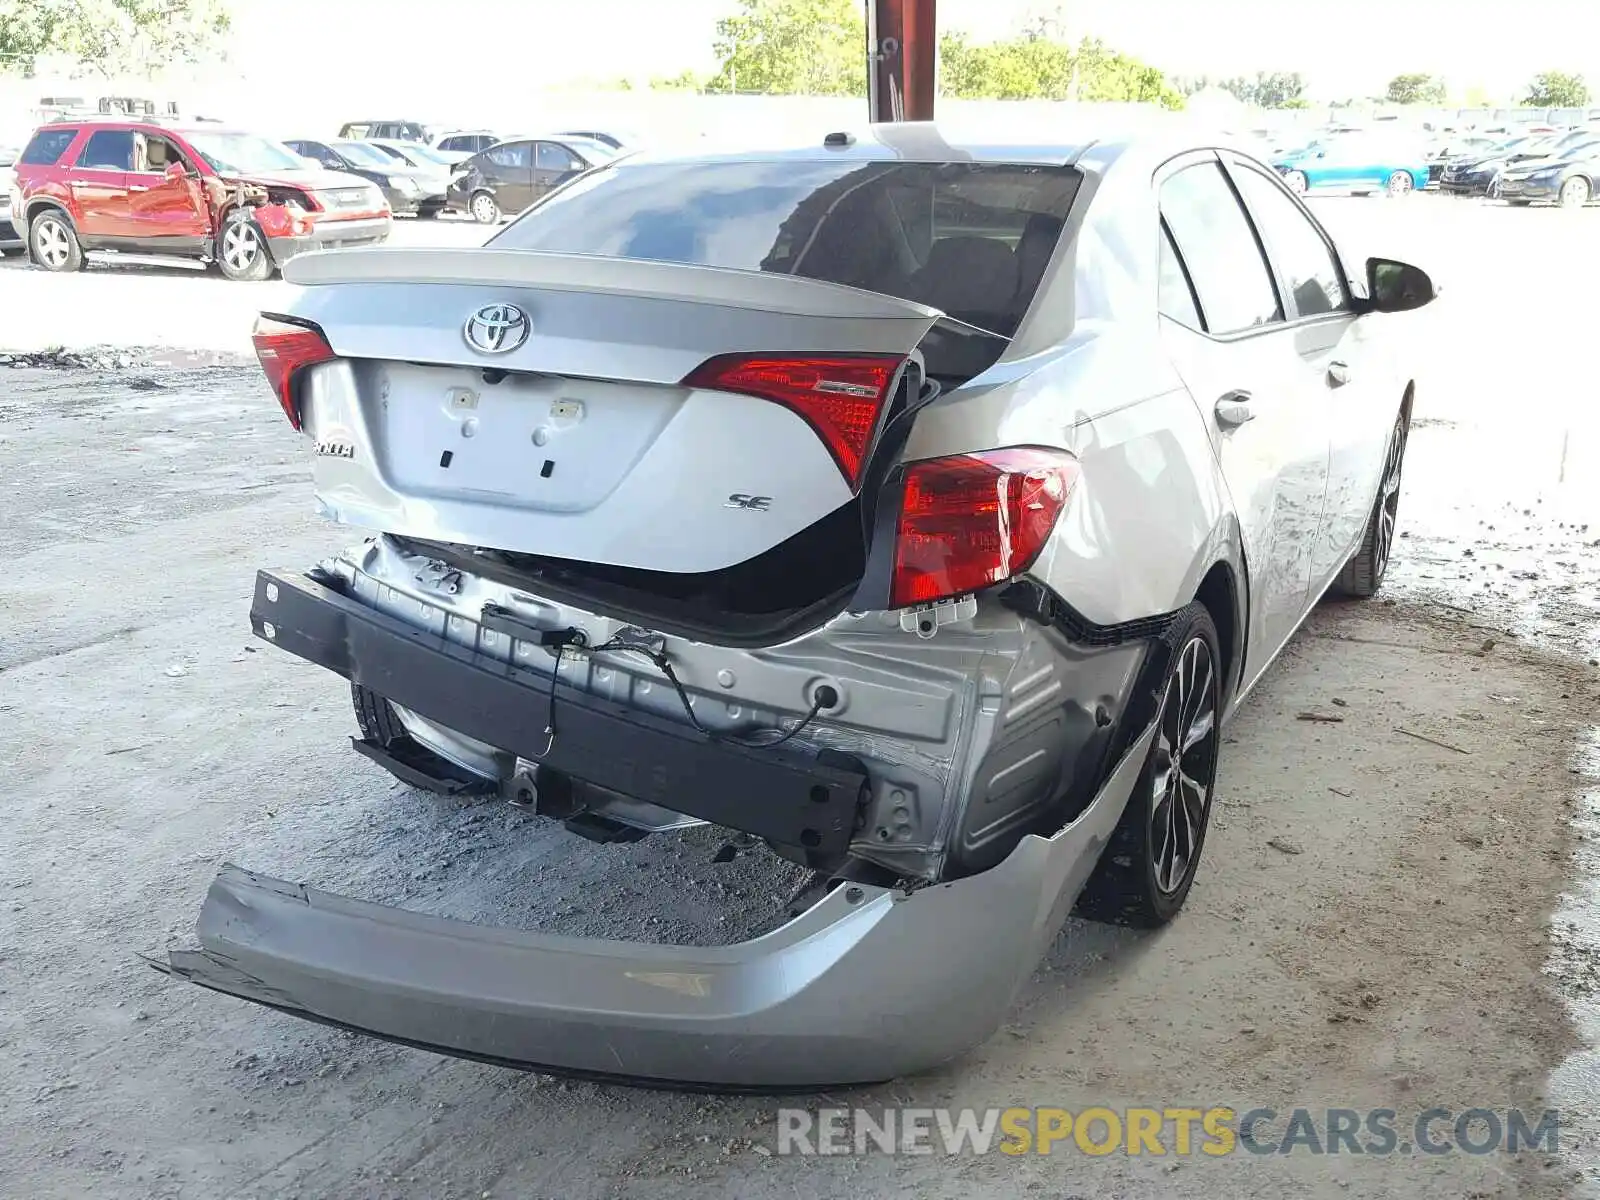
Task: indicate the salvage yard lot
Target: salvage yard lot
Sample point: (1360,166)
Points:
(1370,927)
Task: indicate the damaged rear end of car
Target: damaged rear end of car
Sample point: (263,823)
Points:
(652,554)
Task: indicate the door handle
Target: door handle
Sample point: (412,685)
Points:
(137,187)
(1338,374)
(1233,410)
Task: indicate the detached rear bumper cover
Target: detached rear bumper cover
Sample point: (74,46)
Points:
(867,985)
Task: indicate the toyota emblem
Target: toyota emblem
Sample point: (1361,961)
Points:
(496,329)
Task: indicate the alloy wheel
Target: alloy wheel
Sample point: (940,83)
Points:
(1574,193)
(1297,182)
(240,246)
(1388,500)
(1400,183)
(1184,768)
(50,242)
(483,208)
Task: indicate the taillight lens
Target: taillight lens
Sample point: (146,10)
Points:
(973,520)
(285,349)
(838,395)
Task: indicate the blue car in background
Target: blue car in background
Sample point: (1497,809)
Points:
(1355,164)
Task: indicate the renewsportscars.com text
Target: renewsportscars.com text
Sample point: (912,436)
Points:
(1181,1131)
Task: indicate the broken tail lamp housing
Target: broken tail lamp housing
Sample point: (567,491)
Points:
(841,396)
(973,520)
(284,349)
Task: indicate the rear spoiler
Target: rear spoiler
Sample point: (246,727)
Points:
(487,266)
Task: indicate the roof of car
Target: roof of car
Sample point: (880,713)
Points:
(1064,143)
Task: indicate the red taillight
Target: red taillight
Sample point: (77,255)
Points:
(283,350)
(972,520)
(838,395)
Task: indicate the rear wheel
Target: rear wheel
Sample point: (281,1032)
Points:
(242,248)
(1363,574)
(1148,866)
(485,209)
(54,242)
(1575,193)
(1400,184)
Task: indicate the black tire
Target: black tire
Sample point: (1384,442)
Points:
(1363,574)
(376,716)
(53,242)
(430,213)
(1136,882)
(485,209)
(242,252)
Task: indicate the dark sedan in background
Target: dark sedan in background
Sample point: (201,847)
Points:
(505,179)
(409,190)
(1568,178)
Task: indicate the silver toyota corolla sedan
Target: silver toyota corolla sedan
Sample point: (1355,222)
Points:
(922,508)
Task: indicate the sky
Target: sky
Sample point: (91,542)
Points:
(1343,47)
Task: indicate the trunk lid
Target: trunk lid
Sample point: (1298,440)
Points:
(536,403)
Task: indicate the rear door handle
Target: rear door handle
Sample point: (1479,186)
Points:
(1338,374)
(1233,410)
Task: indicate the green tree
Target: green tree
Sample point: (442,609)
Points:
(684,81)
(1034,65)
(1269,89)
(1416,89)
(109,36)
(1557,89)
(804,47)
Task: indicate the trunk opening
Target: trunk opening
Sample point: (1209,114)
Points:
(775,596)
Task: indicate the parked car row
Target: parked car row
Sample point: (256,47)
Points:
(194,195)
(1559,169)
(494,175)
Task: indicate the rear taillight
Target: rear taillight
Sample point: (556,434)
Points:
(973,520)
(284,350)
(838,395)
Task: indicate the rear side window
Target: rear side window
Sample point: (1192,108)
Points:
(1219,247)
(552,157)
(970,239)
(513,154)
(108,150)
(47,147)
(456,143)
(1305,263)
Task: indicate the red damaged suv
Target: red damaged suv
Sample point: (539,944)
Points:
(152,192)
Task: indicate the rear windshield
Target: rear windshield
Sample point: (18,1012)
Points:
(970,239)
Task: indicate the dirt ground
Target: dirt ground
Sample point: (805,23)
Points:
(1372,926)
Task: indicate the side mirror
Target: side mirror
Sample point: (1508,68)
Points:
(1396,286)
(175,171)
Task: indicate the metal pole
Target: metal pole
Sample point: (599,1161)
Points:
(902,48)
